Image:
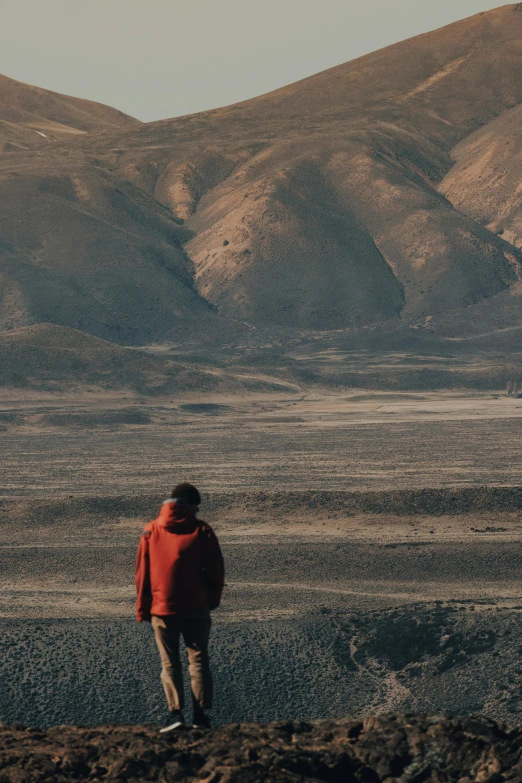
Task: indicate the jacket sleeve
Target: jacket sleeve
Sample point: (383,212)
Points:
(213,567)
(142,579)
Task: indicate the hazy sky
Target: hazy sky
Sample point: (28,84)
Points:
(162,58)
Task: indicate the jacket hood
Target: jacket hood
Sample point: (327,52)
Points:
(174,513)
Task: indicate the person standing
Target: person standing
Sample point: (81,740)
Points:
(179,581)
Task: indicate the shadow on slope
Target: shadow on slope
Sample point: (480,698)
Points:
(54,358)
(84,249)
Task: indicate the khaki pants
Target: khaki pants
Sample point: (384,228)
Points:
(195,632)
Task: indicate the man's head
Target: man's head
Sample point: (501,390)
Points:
(187,494)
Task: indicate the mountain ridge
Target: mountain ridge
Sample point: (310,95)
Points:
(31,116)
(322,206)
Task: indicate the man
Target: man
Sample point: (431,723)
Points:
(179,580)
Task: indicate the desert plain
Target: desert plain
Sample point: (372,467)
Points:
(309,305)
(372,547)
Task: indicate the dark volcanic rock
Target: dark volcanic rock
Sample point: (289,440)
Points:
(408,748)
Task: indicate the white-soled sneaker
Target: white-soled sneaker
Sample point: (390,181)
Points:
(175,721)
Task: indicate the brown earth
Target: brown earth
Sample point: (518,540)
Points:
(32,117)
(388,748)
(313,208)
(86,443)
(51,358)
(47,358)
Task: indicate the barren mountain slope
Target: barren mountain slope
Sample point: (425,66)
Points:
(485,184)
(315,207)
(31,116)
(443,83)
(485,180)
(56,358)
(82,247)
(46,357)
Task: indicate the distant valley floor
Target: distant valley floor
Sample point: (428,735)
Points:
(117,444)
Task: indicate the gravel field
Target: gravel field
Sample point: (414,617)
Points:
(426,657)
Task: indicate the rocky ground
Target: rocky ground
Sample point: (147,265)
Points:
(387,748)
(324,664)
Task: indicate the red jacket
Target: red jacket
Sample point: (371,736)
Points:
(179,567)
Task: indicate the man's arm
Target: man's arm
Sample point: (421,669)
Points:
(213,566)
(142,579)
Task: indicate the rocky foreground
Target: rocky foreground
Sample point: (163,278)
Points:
(388,748)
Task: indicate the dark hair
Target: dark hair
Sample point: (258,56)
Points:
(188,493)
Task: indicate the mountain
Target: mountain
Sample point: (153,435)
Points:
(326,192)
(82,247)
(332,204)
(31,116)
